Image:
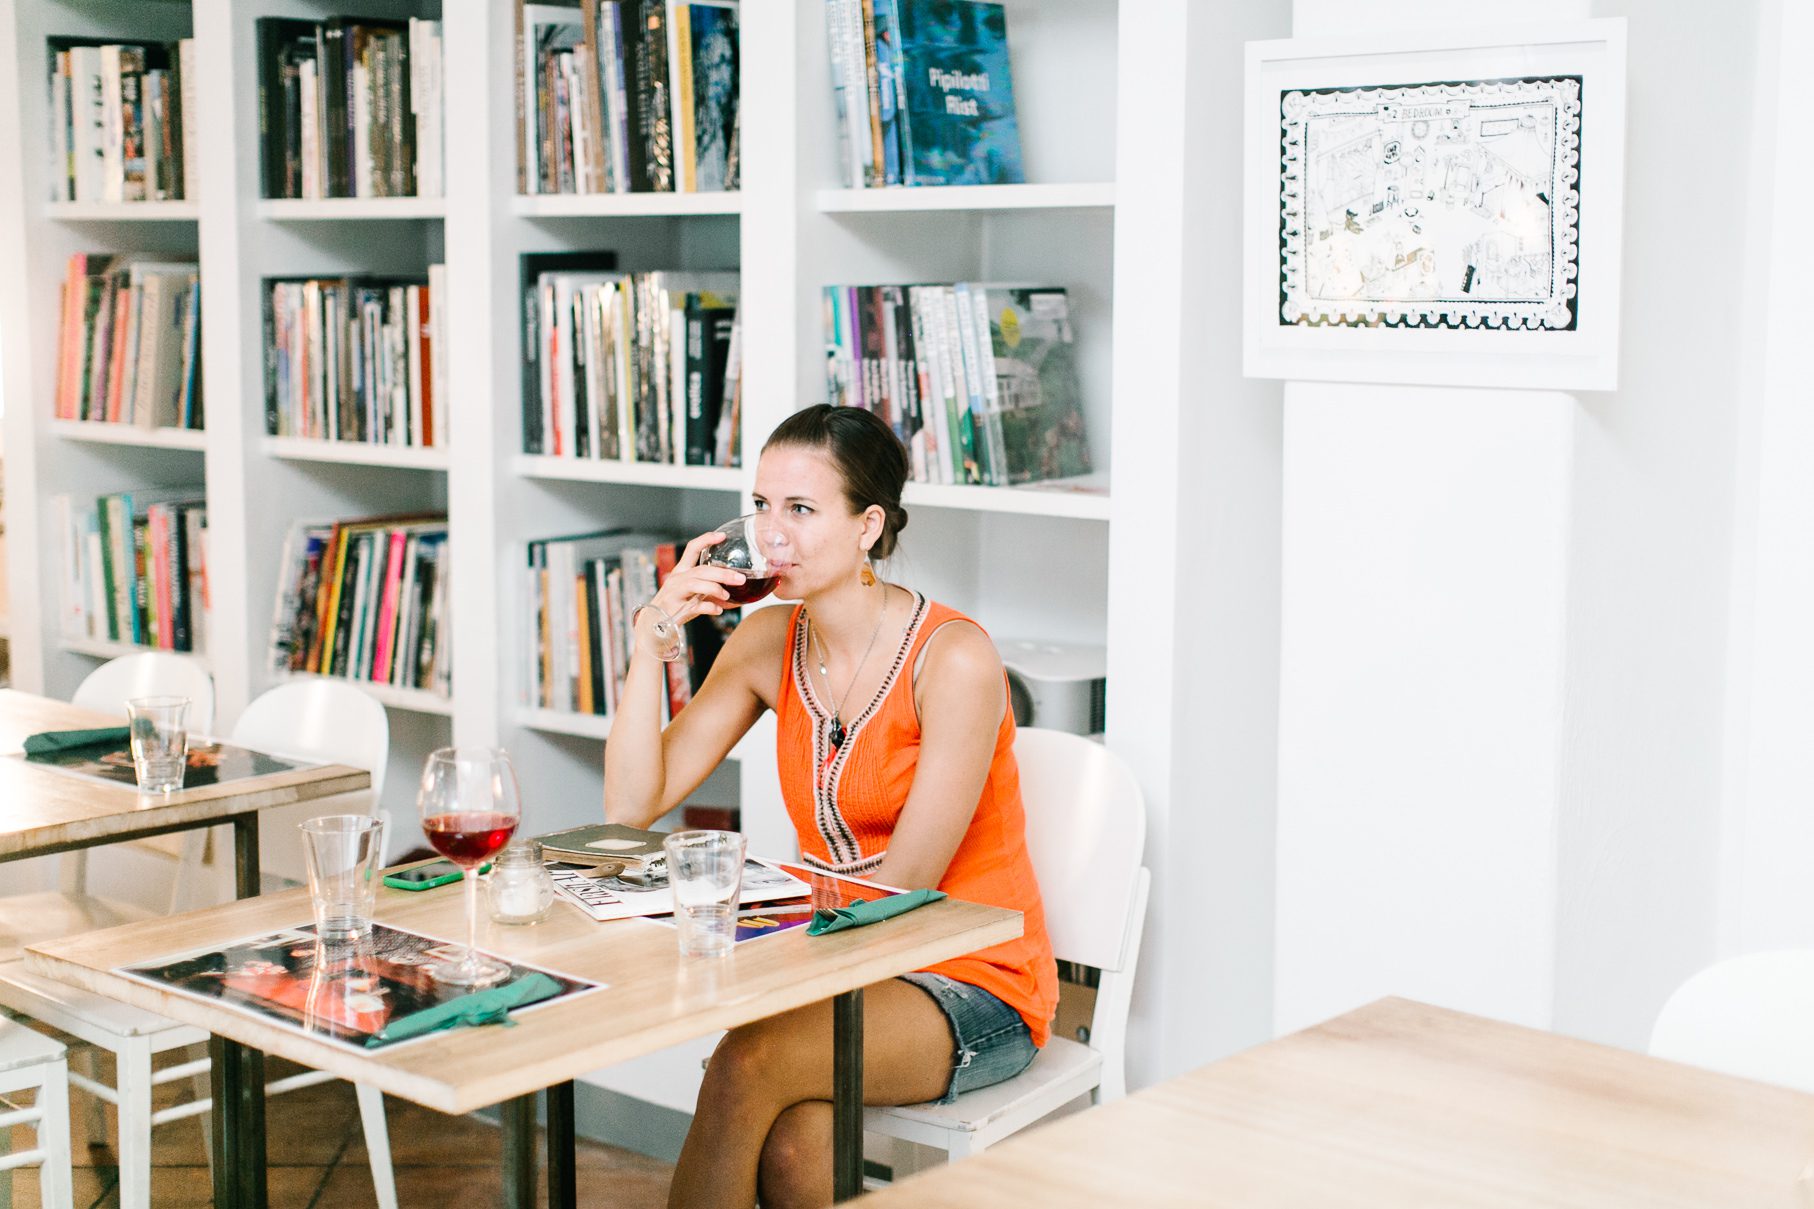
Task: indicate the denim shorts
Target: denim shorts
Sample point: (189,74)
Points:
(992,1043)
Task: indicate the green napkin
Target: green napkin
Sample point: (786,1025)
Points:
(859,912)
(52,741)
(489,1006)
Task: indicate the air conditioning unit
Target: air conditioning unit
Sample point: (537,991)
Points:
(1056,685)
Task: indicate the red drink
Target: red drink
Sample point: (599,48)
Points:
(468,839)
(752,589)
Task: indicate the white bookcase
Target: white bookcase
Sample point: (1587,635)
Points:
(1024,562)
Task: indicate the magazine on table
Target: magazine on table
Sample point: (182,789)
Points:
(823,891)
(343,993)
(605,898)
(209,763)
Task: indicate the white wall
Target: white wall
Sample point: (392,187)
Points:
(1504,650)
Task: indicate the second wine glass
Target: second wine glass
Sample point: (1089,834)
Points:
(470,807)
(751,545)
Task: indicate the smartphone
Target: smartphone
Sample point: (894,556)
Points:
(426,877)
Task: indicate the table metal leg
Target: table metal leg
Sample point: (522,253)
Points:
(238,1120)
(519,1151)
(245,855)
(562,1193)
(847,1094)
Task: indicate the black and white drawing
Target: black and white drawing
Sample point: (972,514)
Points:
(1437,205)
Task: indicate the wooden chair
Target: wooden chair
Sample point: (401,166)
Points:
(1086,831)
(29,1062)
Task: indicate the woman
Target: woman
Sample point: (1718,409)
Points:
(896,755)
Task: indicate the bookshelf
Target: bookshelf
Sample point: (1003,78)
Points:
(790,231)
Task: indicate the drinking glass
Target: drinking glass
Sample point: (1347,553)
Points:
(470,808)
(753,544)
(160,741)
(343,853)
(705,872)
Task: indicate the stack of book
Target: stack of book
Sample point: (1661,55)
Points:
(135,567)
(977,380)
(580,590)
(130,342)
(637,367)
(350,107)
(356,359)
(923,92)
(367,600)
(627,96)
(117,115)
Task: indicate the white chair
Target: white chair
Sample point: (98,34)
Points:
(1751,1016)
(29,1062)
(1086,827)
(313,720)
(106,690)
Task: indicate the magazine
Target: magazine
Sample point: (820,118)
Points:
(344,993)
(623,898)
(824,890)
(209,763)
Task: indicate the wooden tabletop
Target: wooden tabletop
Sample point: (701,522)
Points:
(654,998)
(42,809)
(1401,1105)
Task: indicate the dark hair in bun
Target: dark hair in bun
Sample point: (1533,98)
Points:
(870,459)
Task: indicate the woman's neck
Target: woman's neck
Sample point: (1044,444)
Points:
(846,617)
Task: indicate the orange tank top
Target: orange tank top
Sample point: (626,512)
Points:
(845,802)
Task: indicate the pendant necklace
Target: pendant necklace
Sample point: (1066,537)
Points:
(838,733)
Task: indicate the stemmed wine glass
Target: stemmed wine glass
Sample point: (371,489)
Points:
(750,545)
(470,809)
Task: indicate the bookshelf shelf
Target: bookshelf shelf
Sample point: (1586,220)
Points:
(558,722)
(107,648)
(624,205)
(356,453)
(413,700)
(1092,196)
(337,209)
(130,434)
(648,474)
(154,211)
(1082,499)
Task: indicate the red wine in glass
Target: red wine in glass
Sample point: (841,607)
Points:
(752,589)
(469,840)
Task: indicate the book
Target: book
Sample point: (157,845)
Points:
(957,120)
(596,843)
(1034,413)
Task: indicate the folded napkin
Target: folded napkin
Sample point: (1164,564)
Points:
(836,919)
(489,1006)
(65,740)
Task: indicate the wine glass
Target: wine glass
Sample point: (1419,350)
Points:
(752,543)
(470,809)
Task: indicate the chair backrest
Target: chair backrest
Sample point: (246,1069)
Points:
(322,720)
(109,687)
(1086,833)
(1751,1016)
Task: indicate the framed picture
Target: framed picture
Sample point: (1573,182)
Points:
(1437,209)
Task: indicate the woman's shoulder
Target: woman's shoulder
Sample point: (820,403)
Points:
(956,646)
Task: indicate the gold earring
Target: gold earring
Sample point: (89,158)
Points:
(867,575)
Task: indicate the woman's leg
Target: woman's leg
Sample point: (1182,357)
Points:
(762,1070)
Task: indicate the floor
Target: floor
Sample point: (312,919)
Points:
(317,1158)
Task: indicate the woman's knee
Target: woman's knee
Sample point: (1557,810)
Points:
(745,1063)
(796,1157)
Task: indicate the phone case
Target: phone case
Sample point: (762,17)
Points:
(391,879)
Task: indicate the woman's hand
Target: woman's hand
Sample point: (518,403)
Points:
(690,590)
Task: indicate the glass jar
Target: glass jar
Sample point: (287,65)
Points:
(519,889)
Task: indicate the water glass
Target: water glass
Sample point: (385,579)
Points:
(160,741)
(344,854)
(705,872)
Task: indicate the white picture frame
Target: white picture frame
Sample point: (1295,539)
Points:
(1443,208)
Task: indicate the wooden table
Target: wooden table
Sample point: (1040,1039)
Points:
(654,999)
(1403,1106)
(44,811)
